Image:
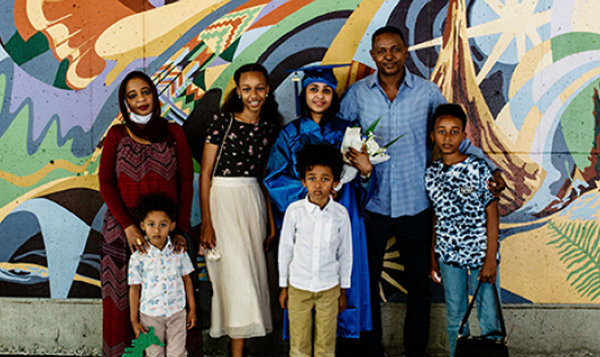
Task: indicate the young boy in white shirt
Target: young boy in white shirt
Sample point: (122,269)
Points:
(163,279)
(315,255)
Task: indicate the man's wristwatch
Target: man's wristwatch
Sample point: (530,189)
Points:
(365,178)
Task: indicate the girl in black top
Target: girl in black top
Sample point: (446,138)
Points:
(236,210)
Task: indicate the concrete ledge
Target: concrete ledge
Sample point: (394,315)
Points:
(51,326)
(533,329)
(74,327)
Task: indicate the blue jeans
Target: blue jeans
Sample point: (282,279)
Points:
(456,291)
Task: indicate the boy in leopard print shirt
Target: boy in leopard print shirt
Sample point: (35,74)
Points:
(465,235)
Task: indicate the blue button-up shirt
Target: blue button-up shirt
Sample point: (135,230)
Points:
(401,188)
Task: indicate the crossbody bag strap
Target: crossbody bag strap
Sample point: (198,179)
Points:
(221,147)
(498,309)
(500,315)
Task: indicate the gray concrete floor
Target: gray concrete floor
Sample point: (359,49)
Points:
(579,354)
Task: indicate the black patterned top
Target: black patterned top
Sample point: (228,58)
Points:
(246,146)
(460,196)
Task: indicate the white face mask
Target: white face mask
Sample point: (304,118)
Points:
(140,119)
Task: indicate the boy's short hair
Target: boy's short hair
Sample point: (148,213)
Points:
(454,110)
(320,154)
(387,29)
(156,203)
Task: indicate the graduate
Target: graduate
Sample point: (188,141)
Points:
(318,122)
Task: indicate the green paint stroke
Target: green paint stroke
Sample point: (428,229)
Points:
(22,51)
(2,88)
(60,81)
(572,43)
(228,54)
(16,160)
(578,125)
(307,13)
(578,243)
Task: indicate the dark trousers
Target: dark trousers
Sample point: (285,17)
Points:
(413,236)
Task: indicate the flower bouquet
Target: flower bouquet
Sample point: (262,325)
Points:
(354,139)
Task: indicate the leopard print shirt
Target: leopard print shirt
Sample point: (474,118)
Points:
(460,195)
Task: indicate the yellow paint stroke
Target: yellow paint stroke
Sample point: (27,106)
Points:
(381,294)
(578,83)
(85,279)
(394,266)
(32,268)
(426,44)
(506,124)
(43,271)
(510,26)
(212,73)
(30,180)
(393,282)
(455,65)
(535,60)
(391,255)
(35,14)
(390,243)
(150,33)
(86,181)
(72,77)
(517,21)
(585,16)
(528,131)
(524,224)
(344,45)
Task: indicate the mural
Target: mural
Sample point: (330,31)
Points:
(527,70)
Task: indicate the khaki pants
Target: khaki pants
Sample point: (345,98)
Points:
(172,331)
(301,306)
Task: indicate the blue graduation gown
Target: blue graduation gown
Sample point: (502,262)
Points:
(283,183)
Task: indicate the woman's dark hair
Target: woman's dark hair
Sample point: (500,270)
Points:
(322,154)
(157,127)
(156,203)
(234,104)
(329,114)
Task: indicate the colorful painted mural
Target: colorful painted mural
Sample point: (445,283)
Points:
(527,70)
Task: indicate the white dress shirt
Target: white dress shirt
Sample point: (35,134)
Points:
(315,249)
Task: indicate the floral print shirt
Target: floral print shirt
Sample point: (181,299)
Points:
(160,272)
(245,148)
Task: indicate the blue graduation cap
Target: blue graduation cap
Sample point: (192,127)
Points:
(315,74)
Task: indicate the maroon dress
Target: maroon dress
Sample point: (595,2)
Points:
(128,172)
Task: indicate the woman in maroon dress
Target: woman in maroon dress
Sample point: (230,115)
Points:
(145,155)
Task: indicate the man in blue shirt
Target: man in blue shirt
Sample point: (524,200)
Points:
(399,206)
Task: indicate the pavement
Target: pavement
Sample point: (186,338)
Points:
(576,354)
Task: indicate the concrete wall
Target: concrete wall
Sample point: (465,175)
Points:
(73,327)
(51,326)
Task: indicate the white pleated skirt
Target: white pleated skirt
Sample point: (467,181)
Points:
(240,303)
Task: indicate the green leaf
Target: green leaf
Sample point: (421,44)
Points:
(393,141)
(578,247)
(372,127)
